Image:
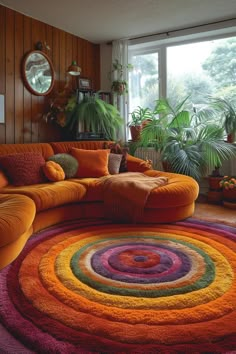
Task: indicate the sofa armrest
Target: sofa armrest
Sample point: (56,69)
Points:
(135,164)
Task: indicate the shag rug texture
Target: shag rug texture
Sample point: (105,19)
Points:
(105,288)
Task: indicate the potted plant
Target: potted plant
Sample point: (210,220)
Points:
(188,140)
(119,84)
(139,118)
(120,87)
(227,108)
(228,185)
(96,115)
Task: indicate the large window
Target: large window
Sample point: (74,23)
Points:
(179,68)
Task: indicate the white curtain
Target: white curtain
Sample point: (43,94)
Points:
(120,53)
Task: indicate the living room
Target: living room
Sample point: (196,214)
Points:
(73,287)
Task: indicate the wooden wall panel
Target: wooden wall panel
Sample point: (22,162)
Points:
(10,77)
(19,90)
(2,63)
(24,112)
(27,100)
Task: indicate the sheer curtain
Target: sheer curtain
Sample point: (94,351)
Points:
(120,53)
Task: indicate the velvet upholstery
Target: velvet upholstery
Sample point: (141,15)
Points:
(31,208)
(53,171)
(65,147)
(17,213)
(45,149)
(50,195)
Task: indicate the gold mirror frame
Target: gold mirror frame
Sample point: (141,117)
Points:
(38,73)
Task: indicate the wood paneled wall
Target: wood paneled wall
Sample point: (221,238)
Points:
(23,111)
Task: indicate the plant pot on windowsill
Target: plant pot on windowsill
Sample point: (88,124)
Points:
(229,191)
(231,138)
(135,131)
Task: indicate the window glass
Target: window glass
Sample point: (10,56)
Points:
(143,80)
(202,69)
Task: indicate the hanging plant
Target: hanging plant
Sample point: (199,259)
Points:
(119,85)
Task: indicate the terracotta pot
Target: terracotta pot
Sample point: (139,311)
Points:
(229,195)
(135,131)
(231,138)
(145,122)
(214,182)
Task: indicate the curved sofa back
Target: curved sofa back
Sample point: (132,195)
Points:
(44,148)
(64,147)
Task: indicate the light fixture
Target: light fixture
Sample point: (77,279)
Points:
(74,69)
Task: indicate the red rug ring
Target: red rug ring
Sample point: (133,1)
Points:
(124,288)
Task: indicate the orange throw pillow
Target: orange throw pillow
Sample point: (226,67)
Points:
(53,171)
(92,163)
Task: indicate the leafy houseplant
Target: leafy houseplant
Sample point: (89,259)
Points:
(227,109)
(139,117)
(228,185)
(120,87)
(95,114)
(188,141)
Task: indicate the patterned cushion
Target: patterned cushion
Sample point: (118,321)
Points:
(114,162)
(53,171)
(68,163)
(23,168)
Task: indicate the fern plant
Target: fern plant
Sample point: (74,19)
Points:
(95,114)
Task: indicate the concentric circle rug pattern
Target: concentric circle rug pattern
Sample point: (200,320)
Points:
(100,287)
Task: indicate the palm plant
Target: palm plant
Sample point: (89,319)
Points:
(187,139)
(95,114)
(226,108)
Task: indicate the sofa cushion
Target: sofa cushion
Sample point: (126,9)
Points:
(181,190)
(23,168)
(114,161)
(50,195)
(94,192)
(53,171)
(68,163)
(115,148)
(92,163)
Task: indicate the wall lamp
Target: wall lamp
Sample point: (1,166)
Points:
(74,69)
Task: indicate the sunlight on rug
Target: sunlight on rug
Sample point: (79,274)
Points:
(124,289)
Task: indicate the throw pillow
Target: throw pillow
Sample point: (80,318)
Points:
(23,168)
(115,148)
(114,161)
(68,163)
(92,163)
(53,171)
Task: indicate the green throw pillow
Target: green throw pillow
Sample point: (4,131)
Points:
(68,163)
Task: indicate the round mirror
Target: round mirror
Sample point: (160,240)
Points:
(38,73)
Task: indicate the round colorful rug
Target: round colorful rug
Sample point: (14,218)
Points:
(124,289)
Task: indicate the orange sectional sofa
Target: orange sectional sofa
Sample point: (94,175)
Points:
(25,210)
